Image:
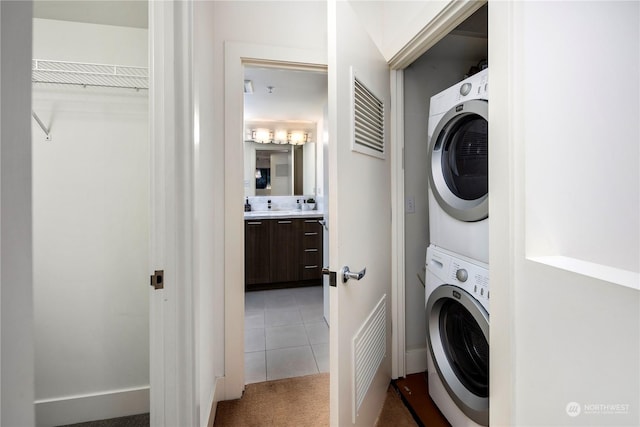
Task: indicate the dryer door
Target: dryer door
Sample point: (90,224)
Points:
(459,158)
(458,334)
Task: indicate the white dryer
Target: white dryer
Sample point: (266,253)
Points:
(458,161)
(457,311)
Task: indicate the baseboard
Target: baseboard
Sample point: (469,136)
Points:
(91,407)
(416,360)
(218,393)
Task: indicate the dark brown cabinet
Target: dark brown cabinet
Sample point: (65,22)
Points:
(282,252)
(257,251)
(285,250)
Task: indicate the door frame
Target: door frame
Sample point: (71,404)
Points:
(454,13)
(236,56)
(172,342)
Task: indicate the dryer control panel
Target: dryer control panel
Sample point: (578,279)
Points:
(447,268)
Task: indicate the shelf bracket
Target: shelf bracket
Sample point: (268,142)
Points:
(46,131)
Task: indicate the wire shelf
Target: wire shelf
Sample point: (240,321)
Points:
(84,74)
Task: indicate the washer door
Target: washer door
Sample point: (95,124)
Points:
(459,159)
(458,334)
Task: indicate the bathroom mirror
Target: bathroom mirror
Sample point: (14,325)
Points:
(279,169)
(284,116)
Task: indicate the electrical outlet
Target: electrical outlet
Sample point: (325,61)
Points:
(410,205)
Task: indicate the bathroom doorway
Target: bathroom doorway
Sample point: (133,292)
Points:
(286,330)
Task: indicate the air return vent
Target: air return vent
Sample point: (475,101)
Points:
(368,118)
(369,349)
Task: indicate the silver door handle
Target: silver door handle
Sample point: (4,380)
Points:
(347,274)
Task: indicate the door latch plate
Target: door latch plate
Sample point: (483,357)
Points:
(157,280)
(332,276)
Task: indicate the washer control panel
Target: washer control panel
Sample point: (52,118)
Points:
(473,87)
(445,267)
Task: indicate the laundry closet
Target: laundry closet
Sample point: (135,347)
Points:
(459,55)
(448,62)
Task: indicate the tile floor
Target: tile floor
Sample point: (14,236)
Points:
(285,334)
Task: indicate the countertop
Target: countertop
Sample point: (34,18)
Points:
(282,214)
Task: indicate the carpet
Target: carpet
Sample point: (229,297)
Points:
(302,401)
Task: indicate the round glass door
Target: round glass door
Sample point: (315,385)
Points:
(458,335)
(465,347)
(459,158)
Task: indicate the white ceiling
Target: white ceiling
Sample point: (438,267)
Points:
(124,13)
(296,95)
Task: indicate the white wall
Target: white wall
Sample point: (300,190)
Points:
(595,199)
(564,183)
(310,167)
(209,212)
(16,308)
(443,65)
(393,23)
(91,232)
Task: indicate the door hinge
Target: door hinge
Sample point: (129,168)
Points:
(157,280)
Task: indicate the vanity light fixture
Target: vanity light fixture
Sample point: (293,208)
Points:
(279,136)
(297,137)
(263,136)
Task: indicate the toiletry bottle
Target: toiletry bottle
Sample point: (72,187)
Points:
(247,206)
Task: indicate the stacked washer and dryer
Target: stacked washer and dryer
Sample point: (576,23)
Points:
(457,282)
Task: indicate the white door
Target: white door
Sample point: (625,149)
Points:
(359,222)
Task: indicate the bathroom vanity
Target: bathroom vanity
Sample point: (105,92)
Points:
(282,249)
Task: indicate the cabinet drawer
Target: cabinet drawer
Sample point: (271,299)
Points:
(310,257)
(311,234)
(312,226)
(312,271)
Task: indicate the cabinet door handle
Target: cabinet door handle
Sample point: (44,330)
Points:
(310,266)
(254,223)
(310,234)
(311,220)
(311,250)
(284,222)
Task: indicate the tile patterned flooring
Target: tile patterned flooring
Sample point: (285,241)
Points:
(285,334)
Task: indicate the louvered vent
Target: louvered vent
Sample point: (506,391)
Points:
(368,121)
(369,349)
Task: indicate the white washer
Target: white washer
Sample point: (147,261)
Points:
(457,304)
(458,161)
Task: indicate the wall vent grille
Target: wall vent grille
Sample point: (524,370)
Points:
(368,112)
(369,349)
